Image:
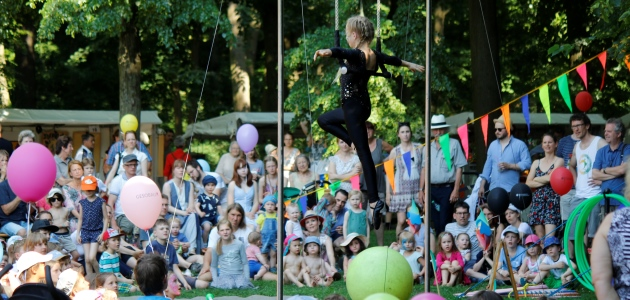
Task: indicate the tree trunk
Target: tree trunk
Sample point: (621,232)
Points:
(177,106)
(4,87)
(239,63)
(485,93)
(26,82)
(129,68)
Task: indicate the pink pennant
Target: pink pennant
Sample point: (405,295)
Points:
(354,180)
(581,70)
(463,136)
(602,59)
(484,128)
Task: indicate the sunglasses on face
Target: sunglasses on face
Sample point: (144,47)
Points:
(55,199)
(499,129)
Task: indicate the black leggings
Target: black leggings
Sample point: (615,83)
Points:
(353,113)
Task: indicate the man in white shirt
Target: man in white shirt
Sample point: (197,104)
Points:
(463,225)
(86,149)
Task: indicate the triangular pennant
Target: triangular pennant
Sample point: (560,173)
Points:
(463,136)
(354,181)
(563,86)
(413,217)
(544,99)
(505,109)
(581,70)
(525,105)
(602,59)
(627,61)
(389,171)
(302,204)
(334,187)
(445,144)
(484,128)
(320,193)
(407,159)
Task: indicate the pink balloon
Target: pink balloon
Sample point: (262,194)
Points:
(247,137)
(31,171)
(141,201)
(427,296)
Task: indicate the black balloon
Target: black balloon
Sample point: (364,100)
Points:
(521,196)
(498,200)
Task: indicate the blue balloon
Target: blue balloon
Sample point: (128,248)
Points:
(205,166)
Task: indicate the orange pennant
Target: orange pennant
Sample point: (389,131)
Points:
(389,171)
(484,128)
(505,109)
(627,61)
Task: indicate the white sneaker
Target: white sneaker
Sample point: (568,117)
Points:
(187,273)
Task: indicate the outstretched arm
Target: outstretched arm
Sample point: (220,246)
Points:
(412,66)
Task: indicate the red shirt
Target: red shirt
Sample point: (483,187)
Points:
(171,158)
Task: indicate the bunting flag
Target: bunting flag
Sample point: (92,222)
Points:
(563,85)
(389,171)
(505,110)
(627,61)
(302,204)
(407,159)
(334,187)
(581,70)
(483,231)
(320,193)
(525,105)
(544,99)
(484,128)
(602,59)
(414,220)
(354,181)
(463,136)
(445,144)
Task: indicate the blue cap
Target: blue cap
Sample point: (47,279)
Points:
(312,239)
(550,241)
(271,198)
(209,179)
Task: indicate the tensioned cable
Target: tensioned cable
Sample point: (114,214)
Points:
(402,84)
(308,88)
(485,28)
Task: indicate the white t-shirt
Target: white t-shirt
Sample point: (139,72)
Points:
(241,234)
(297,228)
(524,229)
(557,273)
(139,154)
(412,260)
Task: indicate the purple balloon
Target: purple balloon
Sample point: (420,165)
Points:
(247,137)
(31,172)
(427,296)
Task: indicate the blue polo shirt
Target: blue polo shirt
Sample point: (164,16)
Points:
(607,158)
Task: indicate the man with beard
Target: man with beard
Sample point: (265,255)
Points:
(193,169)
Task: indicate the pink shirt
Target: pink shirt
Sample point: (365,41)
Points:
(251,252)
(455,256)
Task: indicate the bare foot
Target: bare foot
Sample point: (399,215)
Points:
(257,277)
(329,281)
(300,285)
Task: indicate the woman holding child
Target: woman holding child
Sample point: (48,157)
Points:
(312,225)
(182,203)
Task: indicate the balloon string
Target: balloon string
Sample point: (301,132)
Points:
(151,242)
(28,219)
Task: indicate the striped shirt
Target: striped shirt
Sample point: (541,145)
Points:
(109,263)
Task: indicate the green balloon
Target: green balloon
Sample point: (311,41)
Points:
(379,270)
(381,296)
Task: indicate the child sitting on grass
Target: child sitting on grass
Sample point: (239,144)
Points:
(449,262)
(531,261)
(110,261)
(516,252)
(406,246)
(317,270)
(267,225)
(294,265)
(258,265)
(554,269)
(230,256)
(483,264)
(352,246)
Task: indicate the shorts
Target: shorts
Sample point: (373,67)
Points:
(125,225)
(65,241)
(254,267)
(190,280)
(552,282)
(12,228)
(212,220)
(566,205)
(570,206)
(90,236)
(468,265)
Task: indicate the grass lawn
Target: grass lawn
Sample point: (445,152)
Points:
(268,288)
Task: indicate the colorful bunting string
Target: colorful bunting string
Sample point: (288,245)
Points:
(544,99)
(407,160)
(525,105)
(505,110)
(389,171)
(602,59)
(354,181)
(462,131)
(563,85)
(581,70)
(445,144)
(484,128)
(627,61)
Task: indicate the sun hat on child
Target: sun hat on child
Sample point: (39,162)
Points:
(28,260)
(311,214)
(353,236)
(287,241)
(532,239)
(269,198)
(67,280)
(312,239)
(550,241)
(53,192)
(88,183)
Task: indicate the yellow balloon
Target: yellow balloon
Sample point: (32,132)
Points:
(128,123)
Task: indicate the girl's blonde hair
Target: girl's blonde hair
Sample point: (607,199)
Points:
(356,192)
(88,162)
(469,243)
(100,279)
(363,27)
(439,240)
(175,219)
(33,239)
(293,207)
(220,243)
(406,235)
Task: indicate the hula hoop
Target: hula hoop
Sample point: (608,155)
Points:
(580,215)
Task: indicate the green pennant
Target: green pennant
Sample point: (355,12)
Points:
(445,144)
(544,99)
(334,187)
(563,85)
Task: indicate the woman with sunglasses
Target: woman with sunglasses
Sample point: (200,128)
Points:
(406,178)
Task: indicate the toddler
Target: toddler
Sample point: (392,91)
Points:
(449,262)
(293,223)
(267,224)
(554,268)
(208,206)
(531,261)
(107,281)
(483,264)
(355,218)
(294,265)
(317,269)
(406,246)
(258,265)
(352,246)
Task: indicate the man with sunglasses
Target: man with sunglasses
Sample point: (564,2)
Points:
(507,158)
(119,220)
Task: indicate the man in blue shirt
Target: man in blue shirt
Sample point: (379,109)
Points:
(507,158)
(610,162)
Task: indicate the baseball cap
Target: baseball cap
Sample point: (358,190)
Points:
(88,183)
(550,241)
(511,229)
(29,259)
(43,224)
(67,280)
(110,233)
(532,239)
(129,157)
(209,179)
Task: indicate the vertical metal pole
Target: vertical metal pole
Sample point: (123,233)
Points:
(427,143)
(280,216)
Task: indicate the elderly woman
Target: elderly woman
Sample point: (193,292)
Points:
(243,190)
(304,175)
(343,165)
(25,136)
(225,167)
(131,147)
(182,204)
(312,226)
(236,216)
